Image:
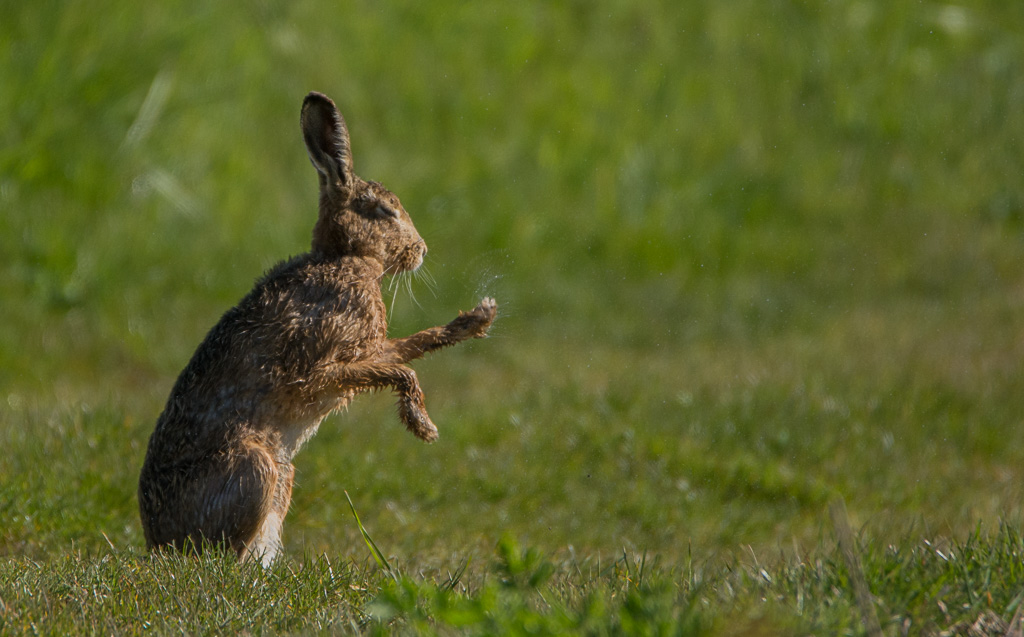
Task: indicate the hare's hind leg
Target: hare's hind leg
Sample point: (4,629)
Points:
(221,499)
(267,543)
(231,500)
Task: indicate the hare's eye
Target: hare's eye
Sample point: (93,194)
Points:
(385,210)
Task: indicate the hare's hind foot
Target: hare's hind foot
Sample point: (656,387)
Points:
(267,543)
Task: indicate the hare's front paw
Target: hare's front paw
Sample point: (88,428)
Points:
(476,322)
(416,420)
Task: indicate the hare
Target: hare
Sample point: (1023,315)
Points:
(309,337)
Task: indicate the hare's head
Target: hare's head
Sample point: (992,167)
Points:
(357,217)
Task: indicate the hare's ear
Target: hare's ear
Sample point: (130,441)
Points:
(326,136)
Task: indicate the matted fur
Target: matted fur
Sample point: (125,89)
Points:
(310,336)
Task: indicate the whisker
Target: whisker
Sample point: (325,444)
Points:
(391,287)
(423,274)
(391,270)
(412,294)
(394,296)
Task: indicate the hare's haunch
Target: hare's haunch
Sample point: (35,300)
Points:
(310,336)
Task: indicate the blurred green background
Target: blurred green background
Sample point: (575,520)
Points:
(749,256)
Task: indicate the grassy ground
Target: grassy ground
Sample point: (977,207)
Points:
(750,257)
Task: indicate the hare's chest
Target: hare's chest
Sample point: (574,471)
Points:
(294,435)
(339,319)
(296,425)
(354,334)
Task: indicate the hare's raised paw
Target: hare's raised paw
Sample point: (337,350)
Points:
(489,307)
(485,313)
(476,322)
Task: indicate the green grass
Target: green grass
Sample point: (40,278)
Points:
(750,257)
(920,588)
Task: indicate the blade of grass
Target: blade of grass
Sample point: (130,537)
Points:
(378,557)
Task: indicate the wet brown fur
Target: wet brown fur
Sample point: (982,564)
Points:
(309,337)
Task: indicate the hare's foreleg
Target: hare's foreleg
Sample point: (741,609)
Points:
(472,324)
(362,376)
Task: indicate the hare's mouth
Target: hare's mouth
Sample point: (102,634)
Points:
(414,256)
(408,260)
